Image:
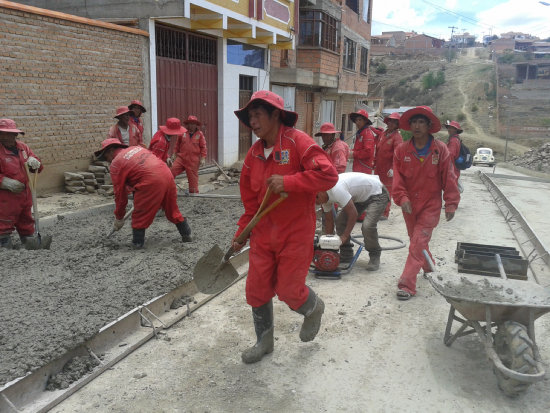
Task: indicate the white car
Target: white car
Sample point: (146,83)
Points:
(484,156)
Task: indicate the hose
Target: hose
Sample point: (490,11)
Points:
(401,243)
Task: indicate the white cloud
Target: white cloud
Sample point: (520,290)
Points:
(527,16)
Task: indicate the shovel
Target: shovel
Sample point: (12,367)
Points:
(35,242)
(212,272)
(124,219)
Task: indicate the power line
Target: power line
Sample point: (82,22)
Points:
(462,16)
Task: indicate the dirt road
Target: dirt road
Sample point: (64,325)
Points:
(373,353)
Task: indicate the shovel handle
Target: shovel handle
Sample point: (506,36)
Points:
(243,236)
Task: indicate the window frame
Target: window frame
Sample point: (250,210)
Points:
(324,30)
(364,61)
(349,55)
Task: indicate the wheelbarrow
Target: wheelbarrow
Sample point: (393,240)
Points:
(510,308)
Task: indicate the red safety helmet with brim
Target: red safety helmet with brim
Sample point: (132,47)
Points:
(426,111)
(192,119)
(108,144)
(173,127)
(8,125)
(360,112)
(395,116)
(288,117)
(137,103)
(455,125)
(122,110)
(327,127)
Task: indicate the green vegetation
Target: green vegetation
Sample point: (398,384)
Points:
(460,117)
(545,121)
(381,68)
(431,81)
(450,55)
(474,108)
(406,134)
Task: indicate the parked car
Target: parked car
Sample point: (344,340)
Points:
(484,156)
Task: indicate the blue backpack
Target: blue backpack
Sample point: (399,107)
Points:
(464,160)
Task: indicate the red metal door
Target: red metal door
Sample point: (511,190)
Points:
(187,81)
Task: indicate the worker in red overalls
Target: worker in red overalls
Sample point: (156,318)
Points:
(152,184)
(126,132)
(281,244)
(15,194)
(422,169)
(164,141)
(336,149)
(453,144)
(363,148)
(137,109)
(385,147)
(190,153)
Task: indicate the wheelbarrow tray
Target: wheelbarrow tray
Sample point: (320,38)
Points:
(509,299)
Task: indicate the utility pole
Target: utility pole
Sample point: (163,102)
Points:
(452,31)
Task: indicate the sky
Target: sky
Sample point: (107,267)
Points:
(478,17)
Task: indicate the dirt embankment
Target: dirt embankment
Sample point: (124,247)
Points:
(53,300)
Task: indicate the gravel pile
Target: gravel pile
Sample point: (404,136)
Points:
(537,159)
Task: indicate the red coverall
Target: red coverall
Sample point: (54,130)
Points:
(454,149)
(15,209)
(384,160)
(281,244)
(135,137)
(363,151)
(421,183)
(162,147)
(152,183)
(138,123)
(338,153)
(189,150)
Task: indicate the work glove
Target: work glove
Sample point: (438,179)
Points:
(118,224)
(203,161)
(33,163)
(12,185)
(390,173)
(169,162)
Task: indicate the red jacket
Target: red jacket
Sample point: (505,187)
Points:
(363,151)
(422,182)
(13,166)
(162,147)
(454,149)
(384,154)
(135,136)
(191,148)
(338,153)
(306,169)
(139,125)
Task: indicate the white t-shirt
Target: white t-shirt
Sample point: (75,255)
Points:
(356,186)
(125,134)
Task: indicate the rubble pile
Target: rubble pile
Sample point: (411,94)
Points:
(96,179)
(537,159)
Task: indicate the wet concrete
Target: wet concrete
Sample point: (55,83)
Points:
(53,300)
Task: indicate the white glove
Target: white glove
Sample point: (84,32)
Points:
(390,173)
(33,163)
(119,223)
(203,162)
(12,185)
(169,162)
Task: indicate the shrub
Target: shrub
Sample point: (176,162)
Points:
(460,117)
(474,108)
(406,134)
(381,68)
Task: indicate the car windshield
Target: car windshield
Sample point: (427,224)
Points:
(484,151)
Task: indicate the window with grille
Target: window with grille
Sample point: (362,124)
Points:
(246,82)
(181,45)
(349,54)
(318,29)
(364,60)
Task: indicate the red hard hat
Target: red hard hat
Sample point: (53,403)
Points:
(420,110)
(395,115)
(455,125)
(192,119)
(137,103)
(8,125)
(109,143)
(327,127)
(360,112)
(173,127)
(121,110)
(288,117)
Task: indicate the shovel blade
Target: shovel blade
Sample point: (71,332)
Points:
(38,242)
(210,276)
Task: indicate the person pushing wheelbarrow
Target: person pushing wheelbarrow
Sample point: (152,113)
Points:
(287,160)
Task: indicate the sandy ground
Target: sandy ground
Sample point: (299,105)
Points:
(373,353)
(53,300)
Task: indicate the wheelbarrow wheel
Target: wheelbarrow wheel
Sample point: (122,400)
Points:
(515,349)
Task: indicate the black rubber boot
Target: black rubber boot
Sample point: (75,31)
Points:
(185,231)
(374,261)
(346,252)
(312,310)
(138,238)
(263,324)
(5,241)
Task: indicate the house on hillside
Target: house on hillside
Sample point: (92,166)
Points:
(423,43)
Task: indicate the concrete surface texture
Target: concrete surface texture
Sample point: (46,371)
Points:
(53,300)
(373,352)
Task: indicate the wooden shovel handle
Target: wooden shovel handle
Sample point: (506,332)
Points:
(260,214)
